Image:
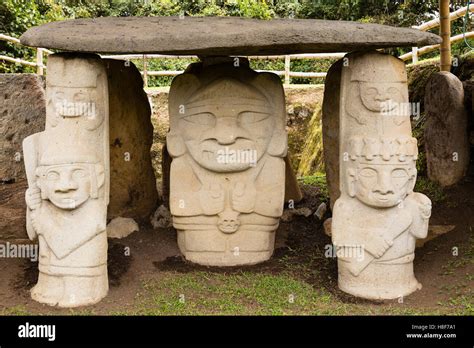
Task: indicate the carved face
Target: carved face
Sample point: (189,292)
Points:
(67,186)
(381,97)
(73,102)
(381,185)
(227,136)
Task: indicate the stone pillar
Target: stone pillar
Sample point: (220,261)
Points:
(67,167)
(228,142)
(378,217)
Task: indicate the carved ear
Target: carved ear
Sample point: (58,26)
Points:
(351,179)
(412,181)
(100,173)
(97,174)
(175,145)
(278,144)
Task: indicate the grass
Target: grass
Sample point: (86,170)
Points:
(318,180)
(243,293)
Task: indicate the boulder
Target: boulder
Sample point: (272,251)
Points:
(121,227)
(22,113)
(132,180)
(446,134)
(330,124)
(219,36)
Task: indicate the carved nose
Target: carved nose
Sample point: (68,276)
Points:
(66,184)
(384,185)
(382,97)
(226,131)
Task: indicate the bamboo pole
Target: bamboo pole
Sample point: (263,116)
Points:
(427,49)
(445,33)
(39,61)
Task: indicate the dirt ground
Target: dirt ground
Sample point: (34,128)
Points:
(298,279)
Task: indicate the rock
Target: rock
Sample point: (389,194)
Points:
(292,189)
(22,113)
(446,134)
(219,36)
(161,218)
(132,180)
(121,227)
(12,211)
(434,231)
(319,213)
(377,176)
(228,141)
(289,214)
(330,124)
(327,224)
(303,211)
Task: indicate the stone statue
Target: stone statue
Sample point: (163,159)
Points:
(68,180)
(227,141)
(378,217)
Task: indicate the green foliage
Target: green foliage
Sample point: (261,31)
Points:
(16,16)
(318,180)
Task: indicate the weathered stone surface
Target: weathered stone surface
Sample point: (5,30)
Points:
(228,142)
(292,189)
(161,218)
(446,133)
(377,218)
(219,36)
(22,113)
(121,227)
(133,191)
(67,167)
(12,211)
(330,124)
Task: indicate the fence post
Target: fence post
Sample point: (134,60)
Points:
(414,55)
(145,72)
(287,70)
(39,61)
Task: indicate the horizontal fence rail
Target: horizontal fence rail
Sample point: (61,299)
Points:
(287,74)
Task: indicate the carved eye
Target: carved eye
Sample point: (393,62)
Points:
(252,117)
(368,173)
(393,91)
(371,91)
(204,119)
(399,173)
(52,176)
(79,97)
(79,173)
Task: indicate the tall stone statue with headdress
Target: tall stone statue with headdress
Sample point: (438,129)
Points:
(227,140)
(68,184)
(378,217)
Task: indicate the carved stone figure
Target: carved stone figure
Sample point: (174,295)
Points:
(378,217)
(227,141)
(68,177)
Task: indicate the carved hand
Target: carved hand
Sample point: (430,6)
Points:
(212,199)
(377,245)
(243,197)
(33,198)
(424,204)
